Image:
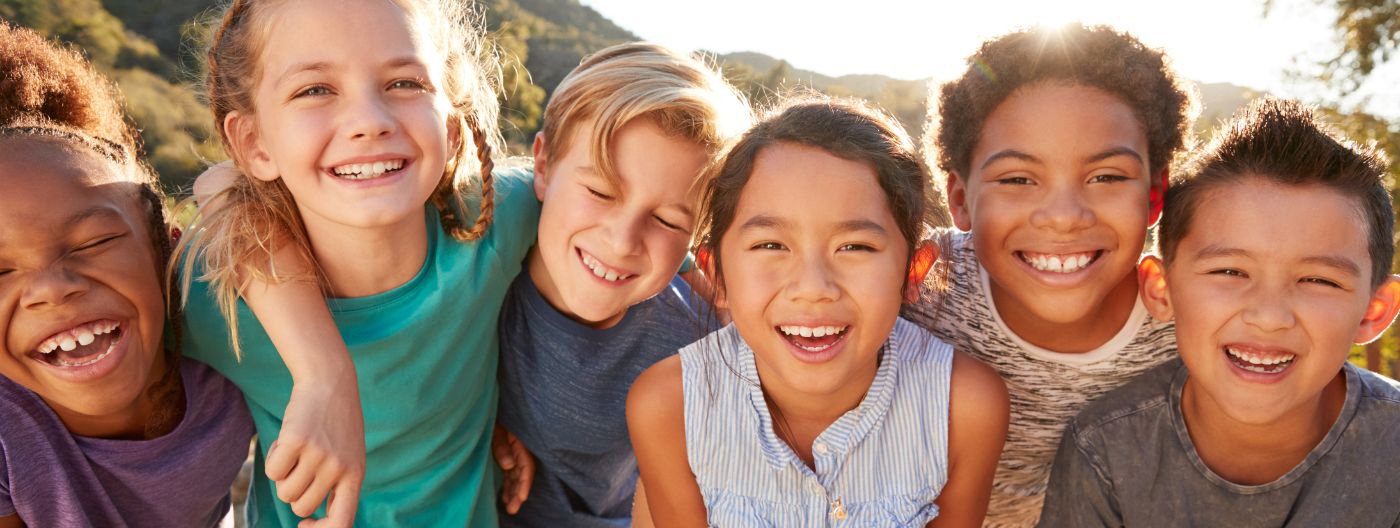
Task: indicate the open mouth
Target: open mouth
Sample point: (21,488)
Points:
(1061,262)
(368,171)
(813,339)
(602,271)
(80,346)
(1259,361)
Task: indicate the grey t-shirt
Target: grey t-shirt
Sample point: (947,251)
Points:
(51,477)
(564,394)
(1127,460)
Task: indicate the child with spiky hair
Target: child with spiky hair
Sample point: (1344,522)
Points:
(1055,145)
(1275,250)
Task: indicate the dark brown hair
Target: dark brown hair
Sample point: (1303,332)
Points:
(1093,56)
(1284,142)
(50,93)
(845,128)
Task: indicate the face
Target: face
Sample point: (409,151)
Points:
(1267,303)
(812,269)
(356,127)
(604,246)
(1057,202)
(81,308)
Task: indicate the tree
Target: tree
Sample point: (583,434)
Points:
(1369,31)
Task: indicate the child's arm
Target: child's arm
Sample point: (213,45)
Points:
(11,521)
(517,464)
(656,423)
(1078,495)
(320,452)
(978,414)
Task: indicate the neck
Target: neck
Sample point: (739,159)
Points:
(1254,454)
(359,262)
(801,417)
(539,275)
(1087,333)
(133,422)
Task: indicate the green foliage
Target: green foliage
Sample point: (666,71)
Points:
(175,127)
(1368,32)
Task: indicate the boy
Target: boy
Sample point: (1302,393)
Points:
(1056,145)
(1275,253)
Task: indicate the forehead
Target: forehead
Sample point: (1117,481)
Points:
(1051,119)
(809,183)
(43,180)
(342,33)
(1282,221)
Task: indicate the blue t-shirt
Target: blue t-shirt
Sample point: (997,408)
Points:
(425,354)
(564,393)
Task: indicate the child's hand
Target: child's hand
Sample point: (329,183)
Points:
(320,454)
(518,465)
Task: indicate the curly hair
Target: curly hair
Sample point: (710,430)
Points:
(50,93)
(1093,56)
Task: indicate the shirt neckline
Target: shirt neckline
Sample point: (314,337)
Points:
(1334,435)
(1107,350)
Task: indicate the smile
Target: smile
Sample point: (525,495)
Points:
(368,171)
(1059,263)
(1259,361)
(603,271)
(813,339)
(81,346)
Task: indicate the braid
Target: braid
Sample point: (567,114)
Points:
(447,188)
(168,392)
(488,193)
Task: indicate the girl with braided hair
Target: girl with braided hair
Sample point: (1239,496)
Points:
(102,423)
(363,132)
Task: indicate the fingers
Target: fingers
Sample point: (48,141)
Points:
(340,513)
(501,443)
(282,456)
(525,474)
(291,488)
(315,494)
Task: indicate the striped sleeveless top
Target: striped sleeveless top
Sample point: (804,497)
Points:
(880,464)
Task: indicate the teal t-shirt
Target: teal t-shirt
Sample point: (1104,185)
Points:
(425,354)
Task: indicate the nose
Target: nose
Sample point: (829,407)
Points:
(368,117)
(1268,310)
(53,287)
(623,232)
(813,281)
(1063,210)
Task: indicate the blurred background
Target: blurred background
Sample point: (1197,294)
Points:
(1337,54)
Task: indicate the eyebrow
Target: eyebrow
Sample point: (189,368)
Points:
(321,66)
(1342,264)
(1009,154)
(1115,151)
(91,212)
(773,222)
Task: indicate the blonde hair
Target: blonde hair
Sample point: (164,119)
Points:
(237,239)
(683,96)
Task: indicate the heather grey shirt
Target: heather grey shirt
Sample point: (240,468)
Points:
(1127,460)
(51,477)
(564,394)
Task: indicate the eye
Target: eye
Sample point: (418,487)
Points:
(1014,180)
(774,246)
(856,247)
(1229,272)
(598,195)
(313,91)
(1107,178)
(668,225)
(408,84)
(98,242)
(1323,281)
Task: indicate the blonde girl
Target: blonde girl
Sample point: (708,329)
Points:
(364,132)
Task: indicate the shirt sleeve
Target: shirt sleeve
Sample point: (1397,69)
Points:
(7,506)
(1079,493)
(516,217)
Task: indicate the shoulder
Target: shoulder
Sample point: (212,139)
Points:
(1377,387)
(1380,402)
(656,401)
(1148,392)
(977,394)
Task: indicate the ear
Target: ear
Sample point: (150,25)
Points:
(957,201)
(1152,286)
(247,147)
(1156,194)
(706,262)
(541,166)
(1381,310)
(925,254)
(454,132)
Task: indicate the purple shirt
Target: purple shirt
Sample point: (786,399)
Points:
(51,477)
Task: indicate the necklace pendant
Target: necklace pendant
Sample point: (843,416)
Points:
(838,510)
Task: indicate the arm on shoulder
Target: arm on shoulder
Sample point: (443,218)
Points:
(1078,494)
(978,413)
(11,521)
(656,423)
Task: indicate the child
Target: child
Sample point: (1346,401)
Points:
(1262,422)
(624,141)
(102,423)
(818,405)
(351,148)
(1056,145)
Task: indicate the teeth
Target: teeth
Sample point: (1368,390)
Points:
(85,361)
(1253,359)
(80,336)
(1058,263)
(365,171)
(811,331)
(601,271)
(84,336)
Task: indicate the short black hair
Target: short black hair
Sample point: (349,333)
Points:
(1284,142)
(1093,56)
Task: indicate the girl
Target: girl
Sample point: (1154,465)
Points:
(102,423)
(351,146)
(1056,145)
(818,404)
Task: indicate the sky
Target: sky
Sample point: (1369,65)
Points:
(1209,40)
